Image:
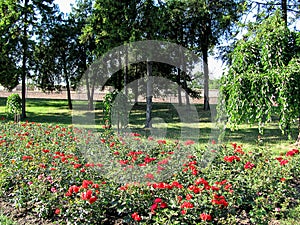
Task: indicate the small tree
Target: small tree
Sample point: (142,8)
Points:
(14,106)
(264,76)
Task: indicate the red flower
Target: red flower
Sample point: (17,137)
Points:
(282,179)
(42,166)
(136,216)
(95,186)
(163,205)
(239,150)
(249,165)
(25,157)
(189,197)
(68,194)
(77,166)
(86,183)
(86,195)
(214,188)
(154,207)
(123,162)
(201,181)
(112,144)
(219,200)
(75,189)
(179,198)
(148,159)
(57,211)
(158,200)
(161,142)
(292,152)
(176,184)
(187,205)
(93,199)
(231,158)
(234,145)
(283,162)
(149,176)
(189,142)
(205,217)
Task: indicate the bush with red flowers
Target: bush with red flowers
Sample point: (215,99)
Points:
(57,172)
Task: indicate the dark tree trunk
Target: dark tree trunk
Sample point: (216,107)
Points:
(179,86)
(206,78)
(187,97)
(68,92)
(149,95)
(126,73)
(67,81)
(284,10)
(24,61)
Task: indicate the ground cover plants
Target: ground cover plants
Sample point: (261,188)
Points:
(56,171)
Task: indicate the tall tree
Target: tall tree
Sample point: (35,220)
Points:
(111,24)
(9,49)
(30,16)
(263,78)
(201,25)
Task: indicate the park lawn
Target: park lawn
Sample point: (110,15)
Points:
(166,123)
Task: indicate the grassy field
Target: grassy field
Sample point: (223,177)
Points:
(166,123)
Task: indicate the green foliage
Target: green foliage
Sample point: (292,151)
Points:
(14,104)
(263,78)
(114,106)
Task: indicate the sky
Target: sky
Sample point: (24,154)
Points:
(64,5)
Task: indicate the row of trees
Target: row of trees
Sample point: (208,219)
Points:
(40,43)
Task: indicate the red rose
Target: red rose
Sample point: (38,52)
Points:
(249,165)
(163,205)
(158,200)
(57,211)
(136,216)
(93,199)
(205,217)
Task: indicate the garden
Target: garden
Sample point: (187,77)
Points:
(60,174)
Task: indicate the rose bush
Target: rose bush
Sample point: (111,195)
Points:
(57,172)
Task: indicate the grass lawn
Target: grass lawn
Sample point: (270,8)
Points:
(166,123)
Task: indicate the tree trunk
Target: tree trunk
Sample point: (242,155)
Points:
(126,73)
(67,81)
(187,97)
(149,95)
(24,61)
(68,92)
(206,78)
(179,87)
(284,10)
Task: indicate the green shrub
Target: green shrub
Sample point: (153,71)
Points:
(14,106)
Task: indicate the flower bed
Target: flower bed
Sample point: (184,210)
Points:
(80,177)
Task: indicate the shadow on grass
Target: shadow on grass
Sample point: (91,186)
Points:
(54,118)
(56,111)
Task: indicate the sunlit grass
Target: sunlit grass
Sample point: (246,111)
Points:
(166,123)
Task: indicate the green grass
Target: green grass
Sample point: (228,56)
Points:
(4,220)
(166,123)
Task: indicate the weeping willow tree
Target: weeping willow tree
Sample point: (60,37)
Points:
(264,77)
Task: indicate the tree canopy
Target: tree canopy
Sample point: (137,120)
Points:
(264,76)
